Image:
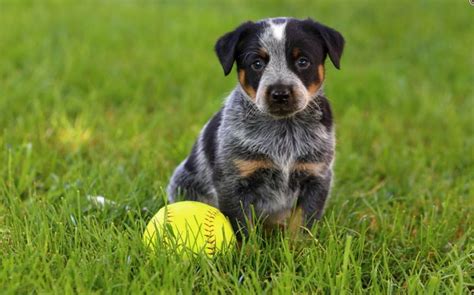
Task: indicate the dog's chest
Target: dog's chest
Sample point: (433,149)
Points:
(287,151)
(280,194)
(284,145)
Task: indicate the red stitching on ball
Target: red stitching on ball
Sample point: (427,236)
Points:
(209,231)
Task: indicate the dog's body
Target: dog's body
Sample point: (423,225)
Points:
(271,146)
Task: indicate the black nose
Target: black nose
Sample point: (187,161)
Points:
(280,94)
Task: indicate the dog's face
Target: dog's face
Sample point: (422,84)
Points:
(280,61)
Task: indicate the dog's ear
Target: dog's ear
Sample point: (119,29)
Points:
(333,40)
(226,46)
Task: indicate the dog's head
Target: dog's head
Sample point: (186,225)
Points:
(280,61)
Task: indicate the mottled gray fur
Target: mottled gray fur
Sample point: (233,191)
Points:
(246,130)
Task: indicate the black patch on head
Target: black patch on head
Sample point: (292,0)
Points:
(248,51)
(305,45)
(332,40)
(313,41)
(242,46)
(226,46)
(209,143)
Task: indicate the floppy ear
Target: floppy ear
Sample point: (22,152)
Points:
(226,46)
(333,41)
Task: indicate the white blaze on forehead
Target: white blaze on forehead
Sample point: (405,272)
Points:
(278,30)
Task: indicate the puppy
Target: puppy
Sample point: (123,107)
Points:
(268,153)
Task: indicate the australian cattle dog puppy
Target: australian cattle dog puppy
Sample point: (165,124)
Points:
(268,153)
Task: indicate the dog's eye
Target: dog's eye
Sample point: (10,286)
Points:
(258,65)
(302,63)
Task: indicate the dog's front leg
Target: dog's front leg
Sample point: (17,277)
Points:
(314,191)
(239,184)
(238,208)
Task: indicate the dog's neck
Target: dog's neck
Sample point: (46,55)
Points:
(285,138)
(240,104)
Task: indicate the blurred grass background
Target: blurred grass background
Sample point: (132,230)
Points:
(107,97)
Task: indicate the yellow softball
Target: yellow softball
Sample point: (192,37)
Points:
(191,226)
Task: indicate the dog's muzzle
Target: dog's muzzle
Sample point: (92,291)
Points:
(281,100)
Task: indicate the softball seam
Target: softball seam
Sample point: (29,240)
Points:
(209,231)
(169,216)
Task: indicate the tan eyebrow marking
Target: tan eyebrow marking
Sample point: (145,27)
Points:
(295,52)
(263,52)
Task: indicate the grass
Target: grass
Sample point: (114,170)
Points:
(107,97)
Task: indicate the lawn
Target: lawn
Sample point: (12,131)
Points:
(106,98)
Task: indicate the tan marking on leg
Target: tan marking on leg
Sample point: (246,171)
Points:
(278,220)
(314,87)
(296,220)
(247,88)
(315,169)
(247,167)
(290,220)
